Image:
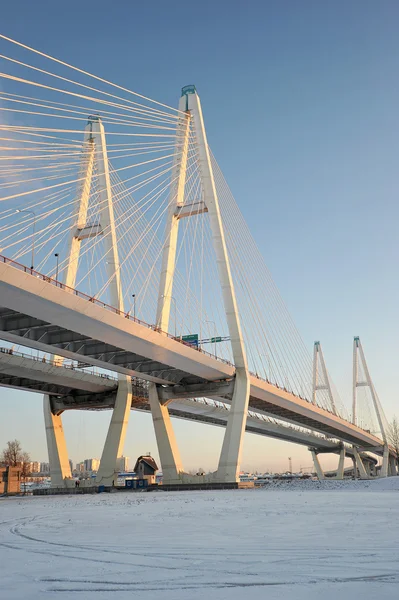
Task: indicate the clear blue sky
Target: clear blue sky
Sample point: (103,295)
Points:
(301,105)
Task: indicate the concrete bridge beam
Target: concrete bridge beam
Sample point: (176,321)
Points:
(359,464)
(60,468)
(341,462)
(115,440)
(172,467)
(317,465)
(392,466)
(385,462)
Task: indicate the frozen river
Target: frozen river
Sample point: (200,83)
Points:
(297,542)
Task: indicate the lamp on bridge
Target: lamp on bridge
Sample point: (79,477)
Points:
(134,305)
(56,272)
(32,212)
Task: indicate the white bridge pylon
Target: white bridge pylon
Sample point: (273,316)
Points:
(362,378)
(321,380)
(230,457)
(94,154)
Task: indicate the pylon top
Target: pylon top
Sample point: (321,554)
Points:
(188,89)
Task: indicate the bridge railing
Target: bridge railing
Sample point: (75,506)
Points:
(98,302)
(127,315)
(54,363)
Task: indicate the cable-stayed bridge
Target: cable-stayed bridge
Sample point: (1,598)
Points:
(122,247)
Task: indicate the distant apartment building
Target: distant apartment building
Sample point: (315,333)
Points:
(34,467)
(44,467)
(122,464)
(10,480)
(91,464)
(80,467)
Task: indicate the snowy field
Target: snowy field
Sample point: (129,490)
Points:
(300,540)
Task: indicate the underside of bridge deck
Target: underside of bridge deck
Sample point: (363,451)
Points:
(53,389)
(39,334)
(201,413)
(294,417)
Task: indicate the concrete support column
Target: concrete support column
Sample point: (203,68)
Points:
(385,461)
(167,446)
(392,466)
(56,445)
(113,447)
(230,457)
(317,465)
(355,476)
(340,470)
(359,464)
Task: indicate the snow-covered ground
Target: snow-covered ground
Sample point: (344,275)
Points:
(291,540)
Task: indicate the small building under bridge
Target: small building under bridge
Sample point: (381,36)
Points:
(146,468)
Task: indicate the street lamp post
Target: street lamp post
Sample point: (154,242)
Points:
(31,212)
(134,305)
(56,272)
(214,335)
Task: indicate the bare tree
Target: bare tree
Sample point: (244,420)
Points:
(25,470)
(393,435)
(13,455)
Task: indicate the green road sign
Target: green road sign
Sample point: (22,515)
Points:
(216,339)
(191,339)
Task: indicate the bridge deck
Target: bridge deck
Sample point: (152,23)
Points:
(49,377)
(38,312)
